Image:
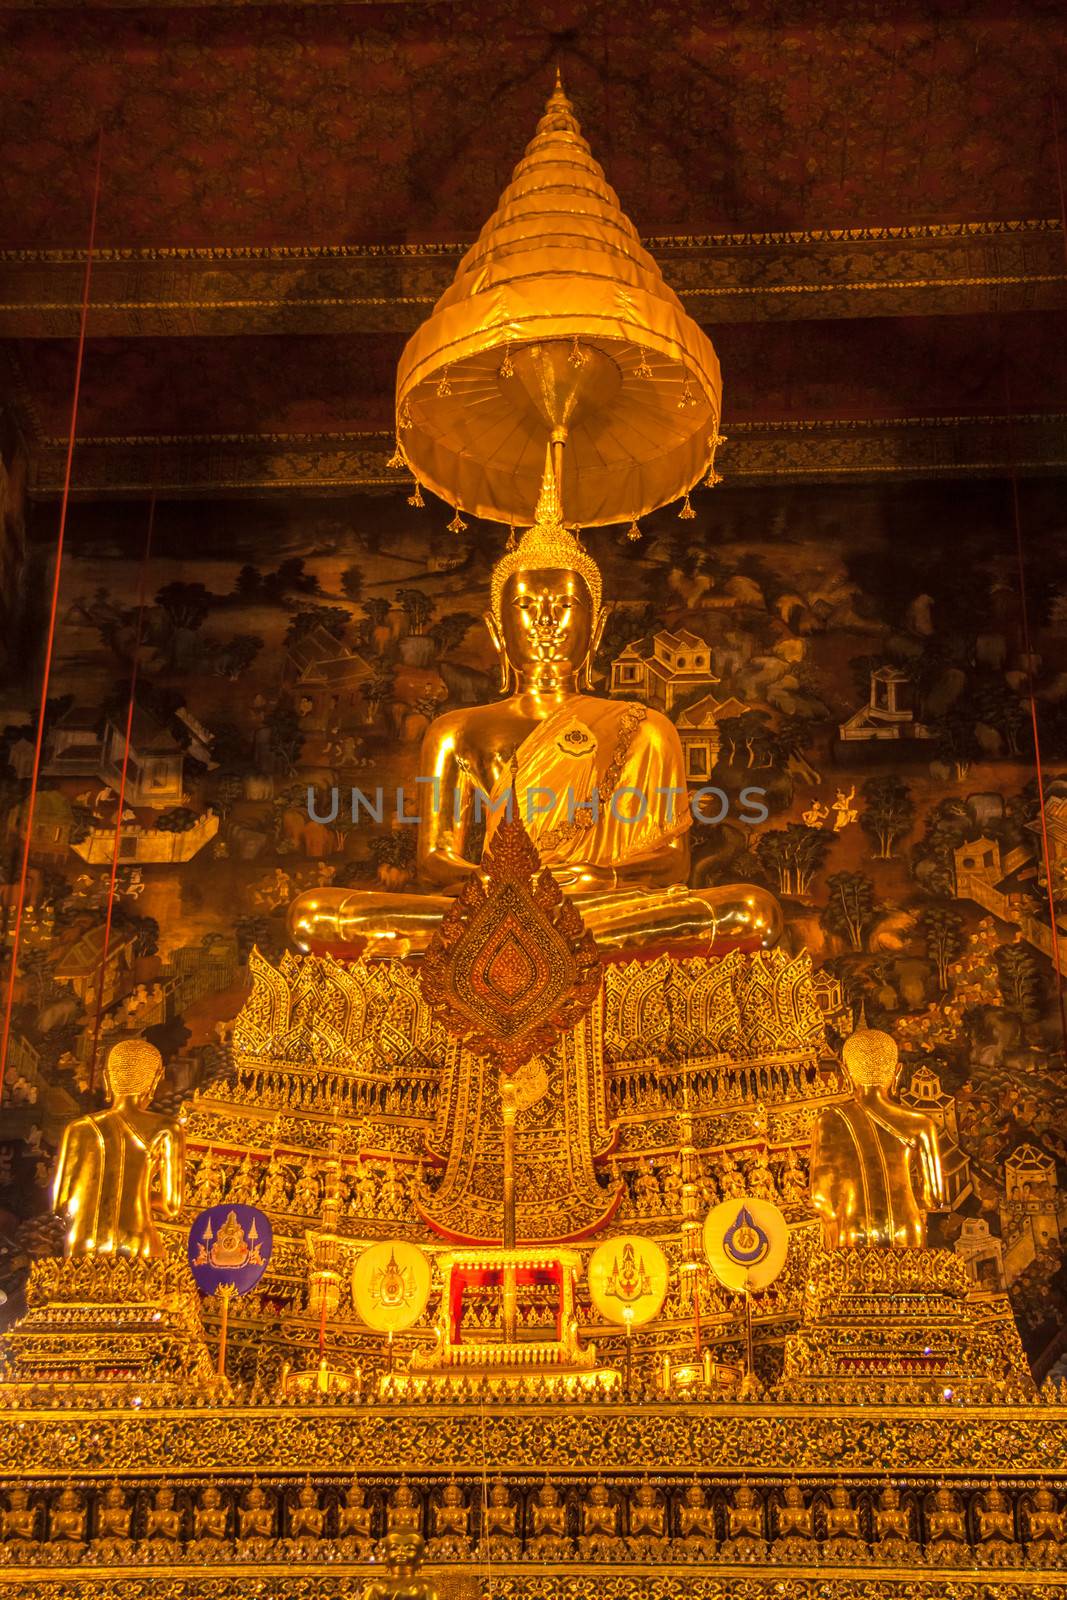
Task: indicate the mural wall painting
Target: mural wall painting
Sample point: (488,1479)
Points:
(820,645)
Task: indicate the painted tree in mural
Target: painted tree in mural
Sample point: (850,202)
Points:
(1001,709)
(417,607)
(746,735)
(793,855)
(942,928)
(889,812)
(851,907)
(352,583)
(1019,981)
(957,743)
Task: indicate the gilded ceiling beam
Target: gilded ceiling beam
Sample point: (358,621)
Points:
(756,452)
(854,272)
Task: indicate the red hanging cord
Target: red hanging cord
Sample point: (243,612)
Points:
(31,803)
(141,608)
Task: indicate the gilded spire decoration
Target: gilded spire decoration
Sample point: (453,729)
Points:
(559,326)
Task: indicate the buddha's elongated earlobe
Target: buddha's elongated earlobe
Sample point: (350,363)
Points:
(497,640)
(585,677)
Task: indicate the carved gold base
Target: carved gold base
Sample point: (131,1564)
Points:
(889,1325)
(662,1580)
(109,1325)
(537,1380)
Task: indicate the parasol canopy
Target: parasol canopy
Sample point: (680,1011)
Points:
(558,329)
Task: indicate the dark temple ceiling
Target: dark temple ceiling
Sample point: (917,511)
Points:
(860,201)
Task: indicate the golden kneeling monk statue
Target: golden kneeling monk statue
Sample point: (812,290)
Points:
(114,1166)
(600,785)
(875,1166)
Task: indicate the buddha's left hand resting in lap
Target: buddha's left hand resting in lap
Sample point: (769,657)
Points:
(599,783)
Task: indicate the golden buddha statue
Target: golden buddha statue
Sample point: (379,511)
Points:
(113,1517)
(404,1514)
(796,1521)
(944,1519)
(306,1518)
(354,1520)
(696,1526)
(18,1523)
(1046,1523)
(115,1165)
(892,1520)
(256,1516)
(500,1521)
(842,1517)
(549,1539)
(864,1154)
(599,783)
(994,1517)
(403,1554)
(599,1539)
(68,1517)
(648,1522)
(163,1522)
(744,1523)
(451,1521)
(210,1518)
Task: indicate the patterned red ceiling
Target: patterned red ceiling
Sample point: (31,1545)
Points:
(875,368)
(325,124)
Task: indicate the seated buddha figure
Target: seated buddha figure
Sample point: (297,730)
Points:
(113,1518)
(403,1554)
(549,1540)
(306,1518)
(210,1520)
(1046,1528)
(648,1522)
(18,1523)
(744,1524)
(599,783)
(892,1519)
(451,1518)
(946,1522)
(163,1523)
(842,1524)
(255,1520)
(354,1519)
(696,1526)
(994,1519)
(500,1521)
(69,1516)
(115,1166)
(796,1521)
(599,1539)
(875,1165)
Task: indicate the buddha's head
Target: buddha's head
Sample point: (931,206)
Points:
(870,1059)
(210,1498)
(164,1498)
(134,1068)
(545,617)
(694,1496)
(403,1553)
(498,1493)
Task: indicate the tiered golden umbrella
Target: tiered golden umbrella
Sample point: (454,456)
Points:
(558,329)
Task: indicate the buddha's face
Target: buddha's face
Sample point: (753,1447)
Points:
(546,619)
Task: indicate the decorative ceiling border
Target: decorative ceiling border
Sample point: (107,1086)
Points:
(933,268)
(186,465)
